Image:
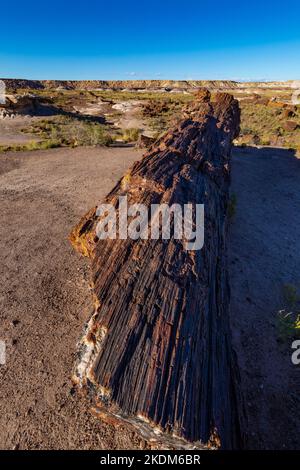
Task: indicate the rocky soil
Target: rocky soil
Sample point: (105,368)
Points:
(44,298)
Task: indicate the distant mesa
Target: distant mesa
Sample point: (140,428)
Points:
(171,86)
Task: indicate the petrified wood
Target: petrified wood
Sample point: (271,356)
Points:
(156,353)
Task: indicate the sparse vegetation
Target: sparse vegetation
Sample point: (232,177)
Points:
(290,295)
(130,135)
(67,131)
(161,113)
(263,122)
(288,320)
(32,145)
(131,95)
(266,125)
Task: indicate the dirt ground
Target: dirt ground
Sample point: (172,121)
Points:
(264,255)
(131,116)
(10,130)
(44,296)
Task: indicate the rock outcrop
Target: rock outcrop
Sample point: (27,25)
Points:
(19,104)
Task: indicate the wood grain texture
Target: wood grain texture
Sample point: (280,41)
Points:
(157,349)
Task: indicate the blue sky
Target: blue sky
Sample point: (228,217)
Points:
(242,40)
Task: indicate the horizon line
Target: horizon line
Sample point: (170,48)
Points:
(235,80)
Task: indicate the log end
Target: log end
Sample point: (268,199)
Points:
(83,236)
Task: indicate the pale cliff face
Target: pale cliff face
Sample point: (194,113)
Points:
(168,85)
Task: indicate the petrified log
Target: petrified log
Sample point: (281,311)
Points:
(156,352)
(144,142)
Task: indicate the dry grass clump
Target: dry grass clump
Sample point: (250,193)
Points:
(130,135)
(67,131)
(288,319)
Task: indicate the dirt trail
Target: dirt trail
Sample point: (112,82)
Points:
(264,255)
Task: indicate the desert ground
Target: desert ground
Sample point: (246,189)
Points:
(45,298)
(263,257)
(61,151)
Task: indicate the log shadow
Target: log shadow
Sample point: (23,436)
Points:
(264,255)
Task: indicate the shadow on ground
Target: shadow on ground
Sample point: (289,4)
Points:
(264,254)
(50,110)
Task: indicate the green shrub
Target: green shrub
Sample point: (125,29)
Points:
(32,145)
(131,135)
(68,131)
(288,319)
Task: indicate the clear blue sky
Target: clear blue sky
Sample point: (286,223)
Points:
(150,39)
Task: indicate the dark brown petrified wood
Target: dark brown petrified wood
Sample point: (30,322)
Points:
(156,352)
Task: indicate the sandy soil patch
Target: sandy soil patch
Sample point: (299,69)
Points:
(44,295)
(10,130)
(131,116)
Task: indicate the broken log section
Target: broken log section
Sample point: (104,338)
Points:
(157,352)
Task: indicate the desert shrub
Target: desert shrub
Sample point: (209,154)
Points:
(288,318)
(70,131)
(288,325)
(246,130)
(131,135)
(32,145)
(265,140)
